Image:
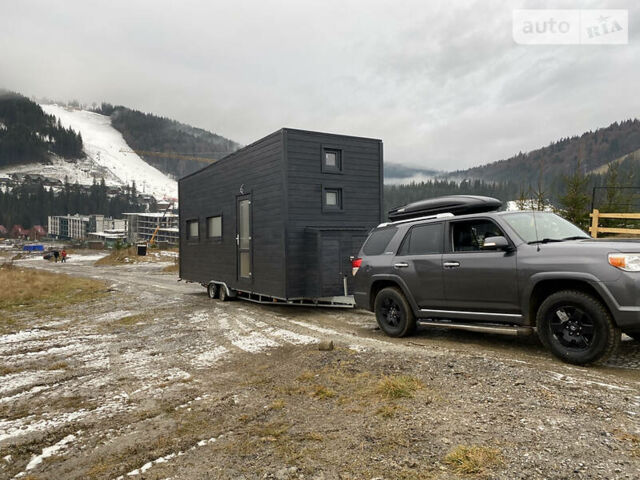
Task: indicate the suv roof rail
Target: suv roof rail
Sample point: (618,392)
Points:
(416,219)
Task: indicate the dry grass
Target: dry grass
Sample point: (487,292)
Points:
(387,411)
(632,440)
(277,405)
(124,256)
(26,288)
(473,460)
(322,392)
(172,268)
(394,387)
(118,257)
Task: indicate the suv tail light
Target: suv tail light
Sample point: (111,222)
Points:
(355,265)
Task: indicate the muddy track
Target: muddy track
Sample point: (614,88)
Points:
(156,368)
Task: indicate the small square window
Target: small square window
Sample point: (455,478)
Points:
(332,199)
(214,227)
(331,160)
(192,230)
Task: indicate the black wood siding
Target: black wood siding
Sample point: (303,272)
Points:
(361,184)
(299,249)
(213,191)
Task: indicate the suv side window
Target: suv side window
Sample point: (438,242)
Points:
(377,242)
(469,236)
(423,240)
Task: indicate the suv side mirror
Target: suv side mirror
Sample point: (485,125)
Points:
(496,243)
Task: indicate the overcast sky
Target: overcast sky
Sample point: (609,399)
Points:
(442,83)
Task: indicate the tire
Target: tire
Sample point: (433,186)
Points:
(393,313)
(212,291)
(222,295)
(577,328)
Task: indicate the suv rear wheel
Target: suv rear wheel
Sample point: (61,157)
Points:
(577,327)
(393,313)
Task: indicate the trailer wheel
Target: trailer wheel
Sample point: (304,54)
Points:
(223,294)
(212,290)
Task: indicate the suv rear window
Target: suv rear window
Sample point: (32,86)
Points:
(378,241)
(423,240)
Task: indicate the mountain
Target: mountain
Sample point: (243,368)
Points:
(594,149)
(29,135)
(108,156)
(55,143)
(145,132)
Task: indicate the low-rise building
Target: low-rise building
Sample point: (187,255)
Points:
(68,226)
(80,227)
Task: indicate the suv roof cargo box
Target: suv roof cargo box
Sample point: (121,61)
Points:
(455,204)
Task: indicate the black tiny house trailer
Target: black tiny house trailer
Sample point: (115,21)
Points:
(278,219)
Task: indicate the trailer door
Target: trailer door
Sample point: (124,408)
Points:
(243,238)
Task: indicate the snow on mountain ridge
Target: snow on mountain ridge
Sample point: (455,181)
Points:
(107,149)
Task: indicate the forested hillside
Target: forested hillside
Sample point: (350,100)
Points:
(28,135)
(30,205)
(147,132)
(398,195)
(618,188)
(591,149)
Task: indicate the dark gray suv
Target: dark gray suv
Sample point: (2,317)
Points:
(504,272)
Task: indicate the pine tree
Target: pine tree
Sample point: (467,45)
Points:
(576,200)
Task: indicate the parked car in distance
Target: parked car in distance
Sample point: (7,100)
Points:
(505,272)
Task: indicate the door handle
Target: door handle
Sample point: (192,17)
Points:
(451,264)
(401,265)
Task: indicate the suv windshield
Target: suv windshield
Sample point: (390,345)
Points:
(549,227)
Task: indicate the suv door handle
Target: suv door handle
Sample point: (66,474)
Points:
(451,264)
(401,265)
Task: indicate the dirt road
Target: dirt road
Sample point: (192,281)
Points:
(155,380)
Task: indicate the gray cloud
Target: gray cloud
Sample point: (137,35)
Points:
(443,85)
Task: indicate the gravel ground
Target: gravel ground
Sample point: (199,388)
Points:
(156,381)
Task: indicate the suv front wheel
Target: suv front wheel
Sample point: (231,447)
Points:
(393,313)
(577,327)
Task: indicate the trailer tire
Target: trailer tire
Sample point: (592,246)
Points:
(223,296)
(212,291)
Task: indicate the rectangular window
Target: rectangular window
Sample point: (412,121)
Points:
(469,236)
(332,199)
(193,232)
(331,160)
(214,227)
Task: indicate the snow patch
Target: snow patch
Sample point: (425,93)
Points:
(315,328)
(166,458)
(49,451)
(15,381)
(208,358)
(292,337)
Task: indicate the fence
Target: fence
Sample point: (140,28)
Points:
(596,216)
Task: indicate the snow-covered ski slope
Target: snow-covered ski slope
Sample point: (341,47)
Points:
(105,146)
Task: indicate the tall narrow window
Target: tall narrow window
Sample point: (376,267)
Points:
(193,232)
(214,227)
(331,160)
